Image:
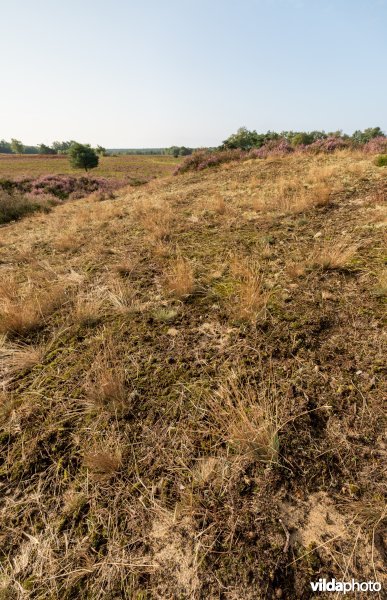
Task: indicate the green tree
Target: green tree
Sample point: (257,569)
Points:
(5,147)
(62,147)
(44,149)
(361,137)
(302,138)
(100,150)
(246,140)
(82,156)
(17,146)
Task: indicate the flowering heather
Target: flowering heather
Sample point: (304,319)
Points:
(327,145)
(60,187)
(376,145)
(14,206)
(272,148)
(202,159)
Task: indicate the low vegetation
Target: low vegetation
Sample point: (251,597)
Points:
(191,383)
(381,160)
(14,206)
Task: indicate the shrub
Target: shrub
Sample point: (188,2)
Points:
(59,186)
(376,145)
(16,206)
(328,145)
(381,160)
(272,148)
(202,159)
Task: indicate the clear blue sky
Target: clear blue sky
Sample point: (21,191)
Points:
(143,73)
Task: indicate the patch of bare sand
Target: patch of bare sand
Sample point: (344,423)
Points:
(318,525)
(175,557)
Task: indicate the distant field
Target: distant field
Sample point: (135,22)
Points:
(121,167)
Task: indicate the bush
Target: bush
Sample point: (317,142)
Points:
(381,160)
(328,145)
(272,148)
(203,159)
(82,156)
(59,186)
(377,145)
(16,206)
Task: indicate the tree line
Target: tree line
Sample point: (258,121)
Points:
(247,140)
(17,147)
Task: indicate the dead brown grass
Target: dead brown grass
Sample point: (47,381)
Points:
(23,310)
(19,357)
(179,279)
(155,217)
(247,418)
(251,299)
(102,464)
(105,386)
(151,454)
(219,204)
(334,255)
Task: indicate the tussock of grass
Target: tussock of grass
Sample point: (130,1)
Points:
(246,418)
(180,280)
(102,464)
(334,256)
(105,386)
(155,218)
(22,311)
(18,357)
(251,299)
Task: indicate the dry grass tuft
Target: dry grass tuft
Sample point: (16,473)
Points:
(295,269)
(155,217)
(88,309)
(15,358)
(102,464)
(180,280)
(105,384)
(219,204)
(67,241)
(252,298)
(334,256)
(23,310)
(246,418)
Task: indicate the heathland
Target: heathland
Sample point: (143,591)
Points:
(127,168)
(192,383)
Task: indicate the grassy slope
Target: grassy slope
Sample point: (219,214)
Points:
(121,167)
(192,372)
